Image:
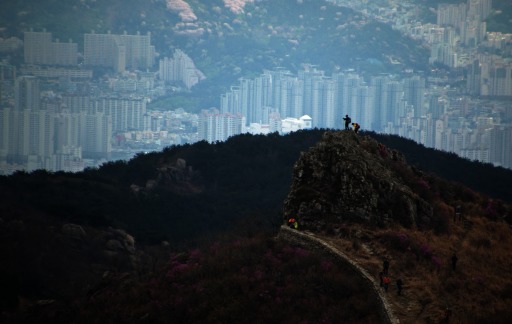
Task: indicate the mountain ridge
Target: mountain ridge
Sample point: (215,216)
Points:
(115,237)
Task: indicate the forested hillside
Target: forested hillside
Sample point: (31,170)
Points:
(243,179)
(120,241)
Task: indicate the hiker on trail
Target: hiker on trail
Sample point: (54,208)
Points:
(292,223)
(458,213)
(454,261)
(399,284)
(387,281)
(356,127)
(385,266)
(347,122)
(447,314)
(381,277)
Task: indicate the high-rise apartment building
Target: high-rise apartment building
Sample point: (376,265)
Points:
(27,93)
(346,87)
(126,114)
(323,111)
(215,126)
(39,49)
(414,94)
(451,14)
(309,76)
(363,103)
(97,136)
(262,99)
(500,150)
(480,9)
(180,68)
(230,101)
(119,52)
(28,129)
(489,75)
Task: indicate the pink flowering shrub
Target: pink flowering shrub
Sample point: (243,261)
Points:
(257,279)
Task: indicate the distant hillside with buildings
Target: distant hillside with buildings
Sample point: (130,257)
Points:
(259,67)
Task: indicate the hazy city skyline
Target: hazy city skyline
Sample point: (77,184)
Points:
(58,114)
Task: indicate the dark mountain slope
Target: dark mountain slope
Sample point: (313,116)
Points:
(364,198)
(60,233)
(192,189)
(481,177)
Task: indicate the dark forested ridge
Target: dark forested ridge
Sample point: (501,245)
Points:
(482,177)
(73,242)
(244,178)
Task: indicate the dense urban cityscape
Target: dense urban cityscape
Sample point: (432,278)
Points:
(56,115)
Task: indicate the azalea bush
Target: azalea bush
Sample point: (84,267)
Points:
(242,281)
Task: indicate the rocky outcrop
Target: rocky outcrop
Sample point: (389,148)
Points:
(351,177)
(176,177)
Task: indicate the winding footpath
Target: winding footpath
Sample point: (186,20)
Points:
(311,241)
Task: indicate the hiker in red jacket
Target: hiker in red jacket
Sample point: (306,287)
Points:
(292,222)
(387,281)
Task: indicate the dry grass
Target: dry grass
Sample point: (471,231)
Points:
(479,290)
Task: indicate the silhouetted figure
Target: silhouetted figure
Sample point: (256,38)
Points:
(381,277)
(347,122)
(447,314)
(387,281)
(458,212)
(356,127)
(454,261)
(399,284)
(385,266)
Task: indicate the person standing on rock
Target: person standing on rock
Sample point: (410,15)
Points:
(347,120)
(381,277)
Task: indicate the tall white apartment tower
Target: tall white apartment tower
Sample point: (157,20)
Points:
(180,68)
(393,103)
(27,94)
(452,14)
(481,9)
(500,151)
(414,91)
(30,129)
(346,86)
(214,126)
(308,77)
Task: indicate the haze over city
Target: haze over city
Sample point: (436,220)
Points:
(255,161)
(110,93)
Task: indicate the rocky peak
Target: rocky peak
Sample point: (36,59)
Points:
(351,177)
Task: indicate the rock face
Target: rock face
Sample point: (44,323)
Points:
(351,177)
(176,177)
